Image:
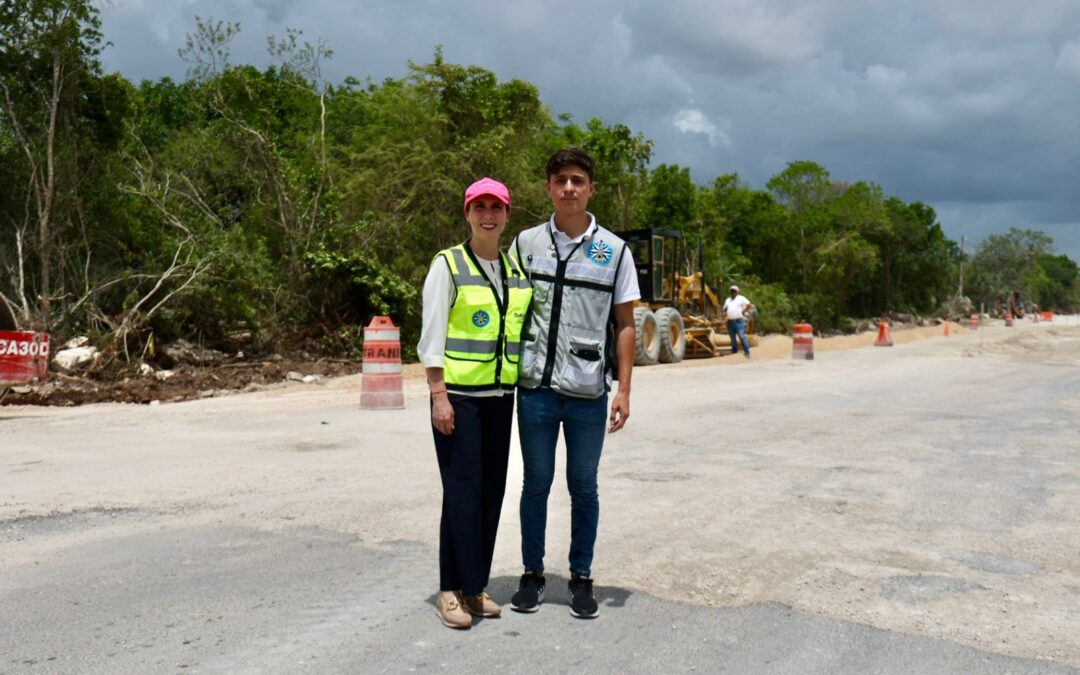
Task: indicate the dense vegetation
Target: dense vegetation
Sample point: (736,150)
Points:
(245,205)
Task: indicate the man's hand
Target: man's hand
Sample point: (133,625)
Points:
(620,411)
(442,414)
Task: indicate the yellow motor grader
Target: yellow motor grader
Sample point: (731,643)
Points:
(678,316)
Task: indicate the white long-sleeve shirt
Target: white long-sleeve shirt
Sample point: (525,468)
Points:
(438,296)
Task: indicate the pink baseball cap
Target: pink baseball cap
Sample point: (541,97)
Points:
(487,186)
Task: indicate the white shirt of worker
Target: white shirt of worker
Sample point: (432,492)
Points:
(548,357)
(626,285)
(735,307)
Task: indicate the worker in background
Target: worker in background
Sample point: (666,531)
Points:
(475,301)
(583,275)
(737,307)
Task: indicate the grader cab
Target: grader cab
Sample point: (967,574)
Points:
(678,316)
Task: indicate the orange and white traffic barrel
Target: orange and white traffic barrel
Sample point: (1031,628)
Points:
(802,344)
(1008,318)
(380,386)
(974,321)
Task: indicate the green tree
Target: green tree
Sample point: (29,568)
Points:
(1004,263)
(668,199)
(622,159)
(803,188)
(846,261)
(917,265)
(1053,282)
(52,100)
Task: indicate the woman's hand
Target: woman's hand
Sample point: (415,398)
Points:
(442,413)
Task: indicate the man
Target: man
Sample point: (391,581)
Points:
(583,278)
(737,307)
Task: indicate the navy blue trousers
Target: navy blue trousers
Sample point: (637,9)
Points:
(472,463)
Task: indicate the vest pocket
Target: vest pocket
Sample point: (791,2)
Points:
(529,367)
(470,347)
(584,365)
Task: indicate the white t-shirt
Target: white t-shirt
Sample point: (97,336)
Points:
(626,285)
(735,306)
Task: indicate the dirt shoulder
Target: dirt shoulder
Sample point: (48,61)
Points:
(183,383)
(190,382)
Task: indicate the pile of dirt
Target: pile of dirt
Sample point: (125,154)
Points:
(183,383)
(1059,345)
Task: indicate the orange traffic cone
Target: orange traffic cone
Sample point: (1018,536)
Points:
(884,337)
(946,328)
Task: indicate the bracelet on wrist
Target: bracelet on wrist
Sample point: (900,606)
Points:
(435,392)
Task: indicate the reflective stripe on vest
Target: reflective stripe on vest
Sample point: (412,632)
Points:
(567,340)
(483,341)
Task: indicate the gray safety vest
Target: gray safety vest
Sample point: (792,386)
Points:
(564,345)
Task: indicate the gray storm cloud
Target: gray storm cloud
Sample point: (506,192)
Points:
(969,105)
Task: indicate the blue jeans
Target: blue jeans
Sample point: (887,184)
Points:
(736,328)
(584,424)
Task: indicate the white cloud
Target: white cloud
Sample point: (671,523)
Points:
(884,77)
(735,36)
(1068,59)
(693,121)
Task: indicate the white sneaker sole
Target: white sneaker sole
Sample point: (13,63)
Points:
(529,610)
(585,616)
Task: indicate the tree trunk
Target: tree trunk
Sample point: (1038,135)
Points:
(48,190)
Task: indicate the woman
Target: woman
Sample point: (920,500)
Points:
(475,299)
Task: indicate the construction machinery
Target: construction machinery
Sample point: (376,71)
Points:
(24,355)
(1015,305)
(678,316)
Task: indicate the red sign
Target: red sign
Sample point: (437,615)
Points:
(24,357)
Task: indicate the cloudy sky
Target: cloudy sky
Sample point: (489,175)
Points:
(972,106)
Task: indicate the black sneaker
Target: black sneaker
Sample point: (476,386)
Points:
(530,592)
(582,603)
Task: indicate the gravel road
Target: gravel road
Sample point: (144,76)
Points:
(886,510)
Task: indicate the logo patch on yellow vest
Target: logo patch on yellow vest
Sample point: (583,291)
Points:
(481,318)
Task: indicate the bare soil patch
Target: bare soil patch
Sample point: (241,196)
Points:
(187,382)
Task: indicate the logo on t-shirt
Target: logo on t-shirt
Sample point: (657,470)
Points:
(481,318)
(601,252)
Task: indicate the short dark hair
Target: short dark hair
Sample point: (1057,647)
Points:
(570,156)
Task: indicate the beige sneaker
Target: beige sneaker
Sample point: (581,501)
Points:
(451,613)
(482,605)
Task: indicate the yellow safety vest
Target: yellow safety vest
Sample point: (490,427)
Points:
(483,337)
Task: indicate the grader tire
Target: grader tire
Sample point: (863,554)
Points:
(669,323)
(646,337)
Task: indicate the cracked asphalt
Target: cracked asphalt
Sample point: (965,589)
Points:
(890,510)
